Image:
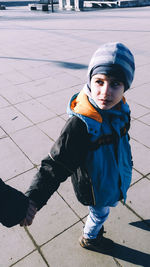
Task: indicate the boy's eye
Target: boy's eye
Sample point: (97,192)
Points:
(100,82)
(115,83)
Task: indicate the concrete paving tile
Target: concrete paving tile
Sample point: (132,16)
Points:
(58,102)
(65,117)
(23,181)
(41,87)
(62,80)
(31,61)
(49,69)
(36,112)
(62,53)
(37,88)
(15,94)
(67,192)
(36,73)
(4,81)
(21,62)
(12,159)
(131,237)
(16,78)
(135,176)
(33,260)
(53,67)
(3,102)
(52,127)
(33,142)
(141,156)
(55,102)
(2,133)
(12,120)
(145,119)
(137,110)
(5,66)
(141,71)
(14,245)
(140,132)
(140,95)
(65,251)
(52,219)
(80,73)
(139,198)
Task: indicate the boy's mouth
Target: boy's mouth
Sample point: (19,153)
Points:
(104,101)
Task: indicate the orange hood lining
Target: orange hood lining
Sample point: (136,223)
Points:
(81,105)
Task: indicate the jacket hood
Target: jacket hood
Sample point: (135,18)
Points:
(81,105)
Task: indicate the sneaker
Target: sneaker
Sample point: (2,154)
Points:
(99,244)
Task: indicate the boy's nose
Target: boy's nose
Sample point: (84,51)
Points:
(105,90)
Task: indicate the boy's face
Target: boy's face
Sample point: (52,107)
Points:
(106,91)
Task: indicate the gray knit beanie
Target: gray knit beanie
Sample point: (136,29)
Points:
(113,59)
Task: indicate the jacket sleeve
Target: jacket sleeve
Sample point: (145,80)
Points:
(13,205)
(65,156)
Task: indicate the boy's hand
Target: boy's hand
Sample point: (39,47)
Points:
(31,211)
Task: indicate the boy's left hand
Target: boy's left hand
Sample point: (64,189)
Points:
(31,211)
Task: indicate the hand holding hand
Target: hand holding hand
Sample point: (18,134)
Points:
(31,211)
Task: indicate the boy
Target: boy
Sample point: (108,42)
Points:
(94,144)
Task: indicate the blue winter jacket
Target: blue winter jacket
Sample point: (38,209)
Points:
(110,165)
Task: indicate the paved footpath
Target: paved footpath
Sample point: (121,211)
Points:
(43,61)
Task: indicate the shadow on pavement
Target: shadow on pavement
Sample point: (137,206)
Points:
(145,225)
(63,64)
(71,65)
(130,255)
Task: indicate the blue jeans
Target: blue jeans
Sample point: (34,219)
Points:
(97,216)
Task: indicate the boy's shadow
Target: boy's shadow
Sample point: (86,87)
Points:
(145,225)
(132,255)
